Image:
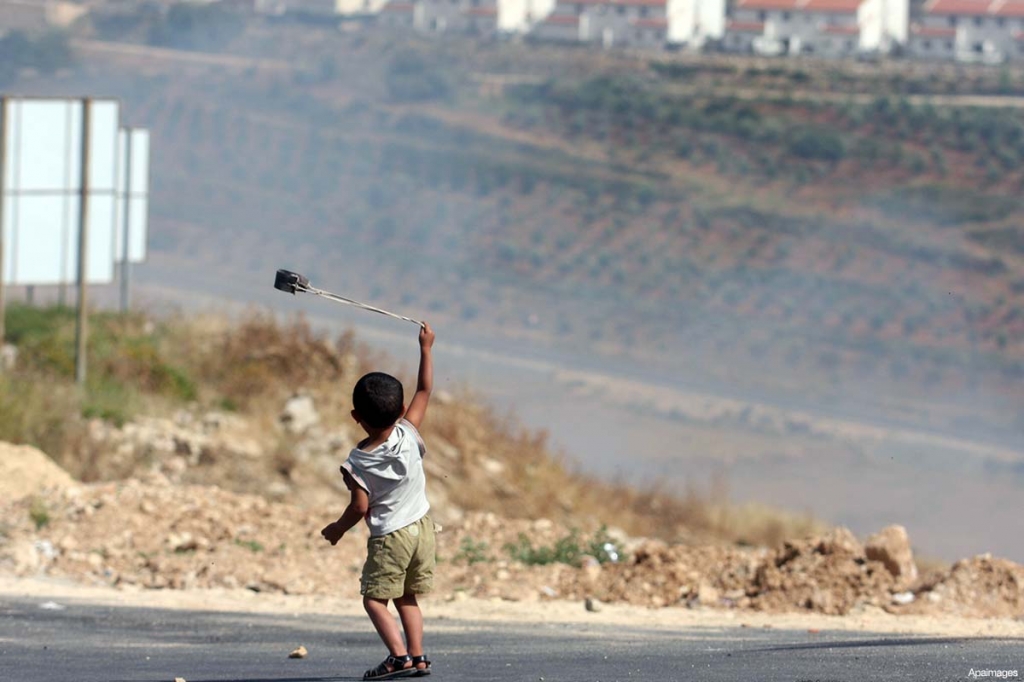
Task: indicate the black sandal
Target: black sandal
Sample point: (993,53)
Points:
(421,672)
(397,668)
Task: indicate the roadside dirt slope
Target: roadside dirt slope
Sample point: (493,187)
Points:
(156,535)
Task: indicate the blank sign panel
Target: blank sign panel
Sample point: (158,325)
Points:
(38,247)
(133,175)
(103,158)
(42,157)
(43,149)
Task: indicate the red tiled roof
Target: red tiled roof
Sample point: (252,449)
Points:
(842,30)
(562,20)
(976,8)
(768,4)
(481,12)
(650,23)
(399,7)
(810,6)
(933,31)
(960,7)
(833,6)
(745,26)
(1009,8)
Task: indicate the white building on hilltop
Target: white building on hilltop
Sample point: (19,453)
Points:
(834,28)
(988,31)
(479,17)
(633,23)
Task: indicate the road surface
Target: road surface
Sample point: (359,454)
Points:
(48,641)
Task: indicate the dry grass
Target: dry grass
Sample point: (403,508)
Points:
(483,461)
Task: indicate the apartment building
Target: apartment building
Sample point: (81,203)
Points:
(831,28)
(985,31)
(477,17)
(633,23)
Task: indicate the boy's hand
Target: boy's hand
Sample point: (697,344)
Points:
(426,336)
(425,379)
(332,532)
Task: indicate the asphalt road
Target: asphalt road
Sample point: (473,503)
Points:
(85,643)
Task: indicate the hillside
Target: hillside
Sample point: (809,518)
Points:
(820,231)
(203,454)
(261,407)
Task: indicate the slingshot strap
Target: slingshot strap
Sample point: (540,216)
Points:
(357,304)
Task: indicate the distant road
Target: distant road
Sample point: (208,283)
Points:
(159,54)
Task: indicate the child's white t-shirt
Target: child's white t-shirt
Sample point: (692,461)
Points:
(392,475)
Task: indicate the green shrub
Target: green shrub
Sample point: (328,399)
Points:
(38,411)
(566,550)
(109,401)
(816,145)
(411,77)
(251,545)
(39,513)
(472,552)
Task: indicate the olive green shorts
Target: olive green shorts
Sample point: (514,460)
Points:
(400,563)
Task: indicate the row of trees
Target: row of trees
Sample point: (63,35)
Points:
(772,134)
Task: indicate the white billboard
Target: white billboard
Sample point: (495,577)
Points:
(42,186)
(133,195)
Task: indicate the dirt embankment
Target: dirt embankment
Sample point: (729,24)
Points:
(150,533)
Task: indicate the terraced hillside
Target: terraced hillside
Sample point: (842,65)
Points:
(841,232)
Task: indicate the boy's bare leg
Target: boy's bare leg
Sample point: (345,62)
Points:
(412,622)
(385,624)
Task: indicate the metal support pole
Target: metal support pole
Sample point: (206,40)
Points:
(125,265)
(81,328)
(3,201)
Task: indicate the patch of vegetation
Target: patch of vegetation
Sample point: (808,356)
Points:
(569,549)
(251,545)
(124,360)
(413,77)
(40,410)
(471,552)
(39,513)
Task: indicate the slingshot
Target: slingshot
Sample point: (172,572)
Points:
(291,282)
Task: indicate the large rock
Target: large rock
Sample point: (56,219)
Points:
(24,471)
(299,414)
(8,357)
(891,546)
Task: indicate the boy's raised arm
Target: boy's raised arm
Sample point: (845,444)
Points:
(425,379)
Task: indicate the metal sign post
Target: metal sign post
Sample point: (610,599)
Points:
(81,327)
(3,202)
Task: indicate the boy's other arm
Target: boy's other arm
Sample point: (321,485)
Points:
(425,380)
(358,504)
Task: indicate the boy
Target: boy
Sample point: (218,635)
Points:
(384,474)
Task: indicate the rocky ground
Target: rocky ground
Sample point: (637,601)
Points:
(156,531)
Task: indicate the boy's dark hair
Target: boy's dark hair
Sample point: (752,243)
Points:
(379,399)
